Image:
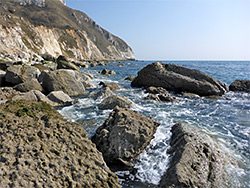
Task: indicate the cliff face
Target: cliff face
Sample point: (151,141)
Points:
(39,26)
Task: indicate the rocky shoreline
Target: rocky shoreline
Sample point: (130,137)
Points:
(36,140)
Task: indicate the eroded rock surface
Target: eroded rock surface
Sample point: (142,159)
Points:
(39,148)
(115,100)
(124,135)
(196,160)
(240,86)
(180,79)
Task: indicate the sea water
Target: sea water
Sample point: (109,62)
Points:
(226,119)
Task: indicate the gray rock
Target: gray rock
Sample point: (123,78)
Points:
(39,148)
(112,86)
(35,96)
(180,79)
(63,80)
(63,63)
(101,94)
(17,74)
(115,100)
(190,95)
(156,90)
(107,72)
(124,135)
(196,160)
(84,78)
(130,78)
(152,97)
(47,57)
(240,86)
(32,84)
(60,97)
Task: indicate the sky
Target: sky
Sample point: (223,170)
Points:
(175,29)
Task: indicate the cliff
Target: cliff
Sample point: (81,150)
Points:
(39,26)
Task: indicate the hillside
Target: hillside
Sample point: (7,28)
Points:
(39,26)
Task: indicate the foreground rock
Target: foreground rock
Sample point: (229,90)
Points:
(41,149)
(240,86)
(17,74)
(63,80)
(124,135)
(196,162)
(29,85)
(177,78)
(60,97)
(115,100)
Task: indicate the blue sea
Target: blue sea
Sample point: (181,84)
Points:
(225,119)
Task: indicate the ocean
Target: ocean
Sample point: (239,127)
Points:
(225,119)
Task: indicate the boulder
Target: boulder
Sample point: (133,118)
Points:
(112,86)
(240,86)
(39,148)
(42,67)
(115,100)
(35,96)
(179,79)
(63,80)
(60,97)
(107,72)
(84,78)
(47,57)
(196,160)
(17,74)
(152,97)
(124,135)
(93,64)
(32,84)
(130,78)
(101,94)
(156,90)
(63,63)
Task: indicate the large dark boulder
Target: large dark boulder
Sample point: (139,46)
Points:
(196,160)
(17,74)
(63,63)
(64,80)
(39,148)
(124,135)
(177,78)
(240,86)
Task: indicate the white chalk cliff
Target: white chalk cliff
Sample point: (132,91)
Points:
(39,26)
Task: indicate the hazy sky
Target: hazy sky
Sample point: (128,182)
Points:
(176,29)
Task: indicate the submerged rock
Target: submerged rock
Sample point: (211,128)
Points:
(101,94)
(112,86)
(124,135)
(115,100)
(39,148)
(130,78)
(107,72)
(240,86)
(196,160)
(177,78)
(63,80)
